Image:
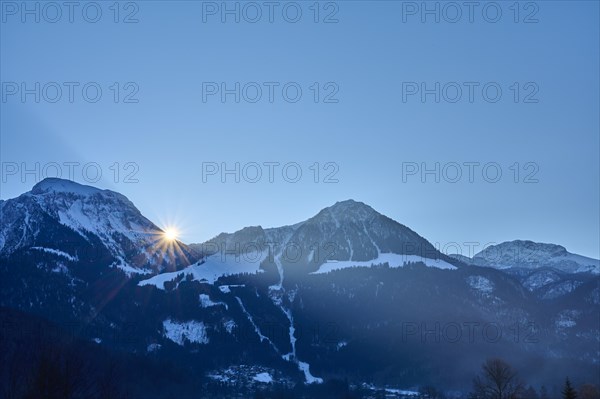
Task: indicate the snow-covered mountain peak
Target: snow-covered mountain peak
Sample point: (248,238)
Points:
(532,255)
(56,185)
(348,210)
(350,204)
(87,209)
(56,209)
(344,213)
(529,247)
(50,189)
(348,231)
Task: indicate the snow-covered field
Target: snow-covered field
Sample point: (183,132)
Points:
(394,260)
(212,268)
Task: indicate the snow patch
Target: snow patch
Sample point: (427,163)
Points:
(226,289)
(60,268)
(540,279)
(153,348)
(127,269)
(279,285)
(566,319)
(565,323)
(263,377)
(219,377)
(245,375)
(229,326)
(310,379)
(179,332)
(394,260)
(57,252)
(481,284)
(206,302)
(393,391)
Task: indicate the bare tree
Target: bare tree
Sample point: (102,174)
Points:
(589,391)
(498,380)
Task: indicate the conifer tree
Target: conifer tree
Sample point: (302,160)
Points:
(568,392)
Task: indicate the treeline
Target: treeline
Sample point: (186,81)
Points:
(499,380)
(50,363)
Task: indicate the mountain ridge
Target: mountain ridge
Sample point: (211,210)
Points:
(352,230)
(531,255)
(347,231)
(70,217)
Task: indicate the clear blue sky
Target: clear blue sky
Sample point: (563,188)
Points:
(369,133)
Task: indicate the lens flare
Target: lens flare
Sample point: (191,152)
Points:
(171,234)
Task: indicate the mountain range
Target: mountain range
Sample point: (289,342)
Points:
(347,295)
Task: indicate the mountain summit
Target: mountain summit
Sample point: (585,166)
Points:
(525,254)
(77,221)
(56,185)
(348,232)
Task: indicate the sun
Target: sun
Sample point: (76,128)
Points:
(170,234)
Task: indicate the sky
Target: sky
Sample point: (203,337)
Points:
(467,125)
